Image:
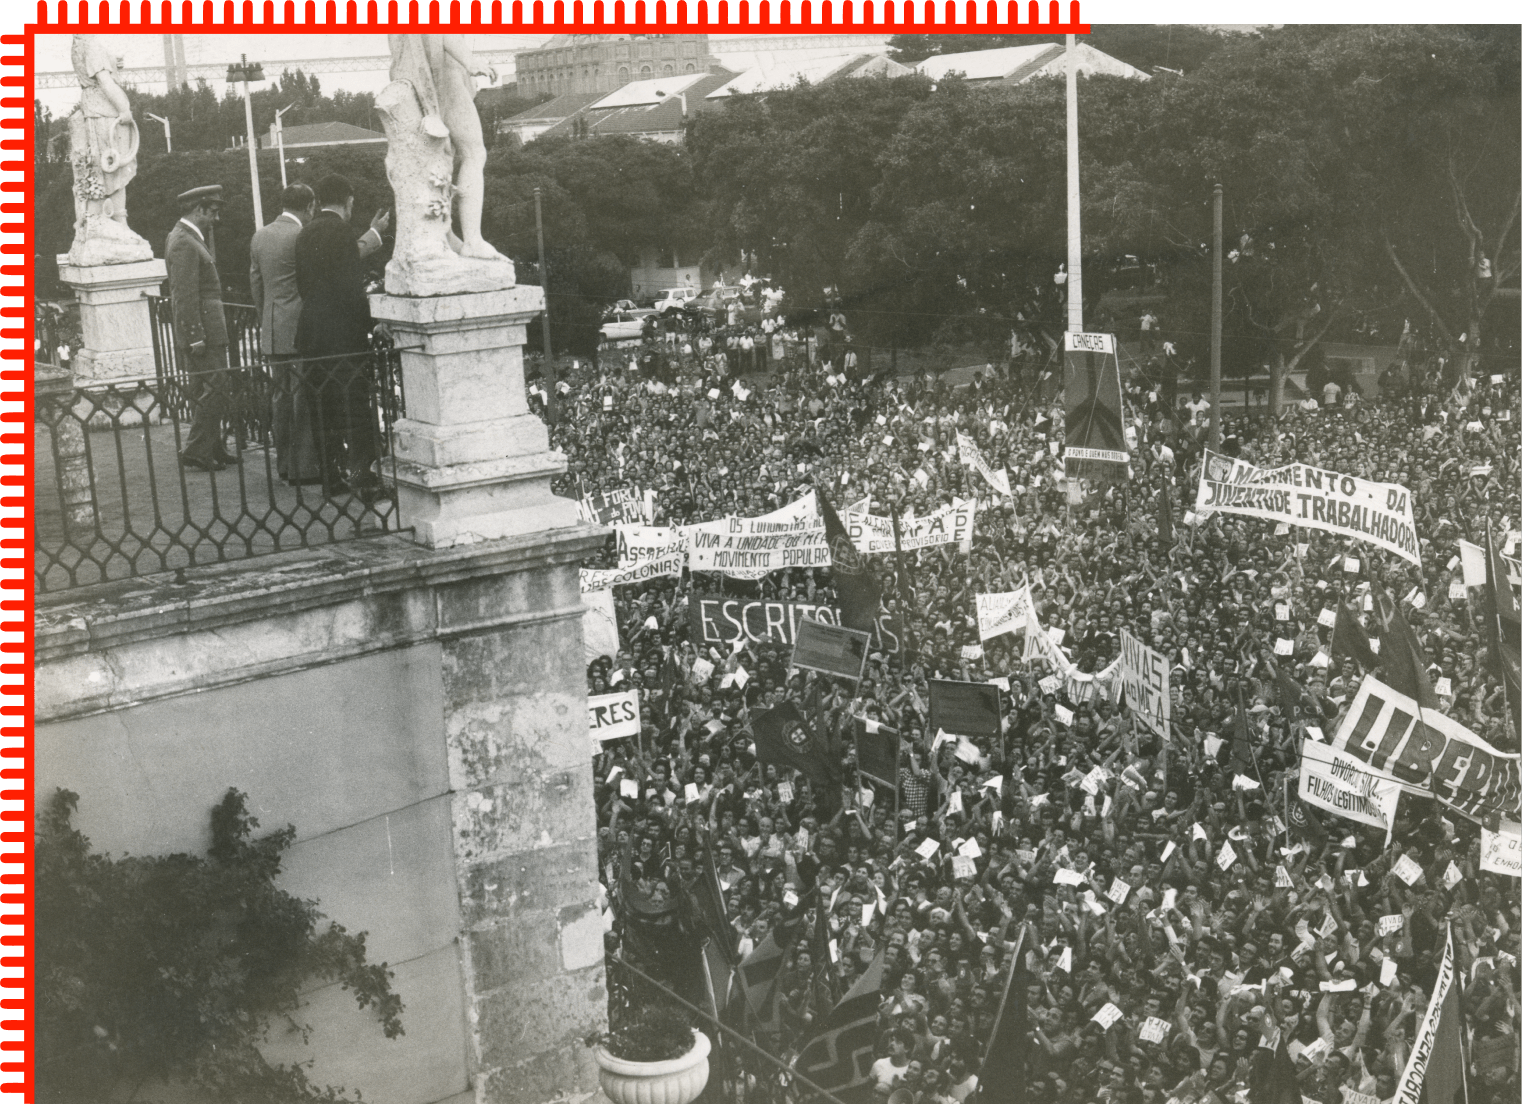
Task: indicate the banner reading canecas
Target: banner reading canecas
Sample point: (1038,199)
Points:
(1299,494)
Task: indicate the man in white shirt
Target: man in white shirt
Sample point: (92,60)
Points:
(889,1072)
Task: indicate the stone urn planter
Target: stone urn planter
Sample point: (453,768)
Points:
(673,1081)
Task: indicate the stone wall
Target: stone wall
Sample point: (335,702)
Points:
(420,718)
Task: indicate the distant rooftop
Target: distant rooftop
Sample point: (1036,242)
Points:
(1020,63)
(646,93)
(324,134)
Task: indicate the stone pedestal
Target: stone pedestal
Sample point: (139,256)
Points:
(114,318)
(472,462)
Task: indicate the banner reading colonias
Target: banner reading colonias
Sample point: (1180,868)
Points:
(973,457)
(1144,678)
(751,548)
(1299,494)
(1434,756)
(952,524)
(592,579)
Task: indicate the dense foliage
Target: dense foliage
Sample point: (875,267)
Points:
(172,968)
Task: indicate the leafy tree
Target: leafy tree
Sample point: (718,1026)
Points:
(171,969)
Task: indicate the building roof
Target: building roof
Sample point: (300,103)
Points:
(648,114)
(325,134)
(553,111)
(1015,64)
(769,75)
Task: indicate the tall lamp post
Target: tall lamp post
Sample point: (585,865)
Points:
(242,73)
(168,143)
(280,140)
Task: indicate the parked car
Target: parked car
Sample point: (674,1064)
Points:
(624,325)
(674,299)
(715,304)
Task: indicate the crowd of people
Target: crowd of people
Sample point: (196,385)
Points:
(1180,883)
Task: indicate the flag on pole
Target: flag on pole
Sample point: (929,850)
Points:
(1503,620)
(860,597)
(839,1057)
(1274,1080)
(1003,1074)
(1402,660)
(1349,639)
(1165,515)
(784,738)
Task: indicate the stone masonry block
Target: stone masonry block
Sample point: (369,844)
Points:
(523,949)
(568,1074)
(525,1020)
(533,811)
(511,885)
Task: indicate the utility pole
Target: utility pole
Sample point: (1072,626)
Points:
(544,284)
(1075,232)
(280,141)
(1215,329)
(168,142)
(175,73)
(244,72)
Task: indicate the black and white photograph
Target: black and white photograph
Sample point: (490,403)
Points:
(776,568)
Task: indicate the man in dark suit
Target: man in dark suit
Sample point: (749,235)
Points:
(200,328)
(272,279)
(333,338)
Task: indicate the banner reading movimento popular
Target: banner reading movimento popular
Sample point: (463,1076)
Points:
(751,548)
(1433,756)
(1144,678)
(1299,494)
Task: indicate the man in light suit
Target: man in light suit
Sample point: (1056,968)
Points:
(272,278)
(200,328)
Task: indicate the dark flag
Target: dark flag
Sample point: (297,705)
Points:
(1503,619)
(1165,515)
(1242,759)
(1274,1081)
(1401,658)
(1095,422)
(1303,824)
(708,899)
(1349,639)
(757,976)
(839,1057)
(1295,702)
(860,597)
(784,738)
(877,751)
(671,674)
(1003,1074)
(717,972)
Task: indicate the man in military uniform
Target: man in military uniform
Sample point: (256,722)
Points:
(200,329)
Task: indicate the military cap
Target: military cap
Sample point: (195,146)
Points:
(208,193)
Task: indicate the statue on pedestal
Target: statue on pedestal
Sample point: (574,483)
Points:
(430,117)
(103,143)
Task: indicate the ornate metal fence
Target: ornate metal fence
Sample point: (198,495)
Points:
(309,444)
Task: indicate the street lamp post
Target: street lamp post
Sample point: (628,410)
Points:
(168,143)
(280,140)
(244,72)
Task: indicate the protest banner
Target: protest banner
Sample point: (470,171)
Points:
(599,625)
(951,524)
(1005,612)
(751,548)
(964,708)
(1335,781)
(1313,498)
(620,504)
(1501,851)
(1096,434)
(613,716)
(1429,754)
(1080,686)
(971,455)
(1435,1064)
(1144,680)
(606,579)
(640,543)
(830,649)
(717,620)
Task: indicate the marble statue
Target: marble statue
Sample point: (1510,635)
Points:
(435,160)
(103,142)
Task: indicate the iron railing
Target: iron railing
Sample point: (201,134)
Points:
(114,500)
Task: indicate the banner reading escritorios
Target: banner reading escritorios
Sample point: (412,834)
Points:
(1315,498)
